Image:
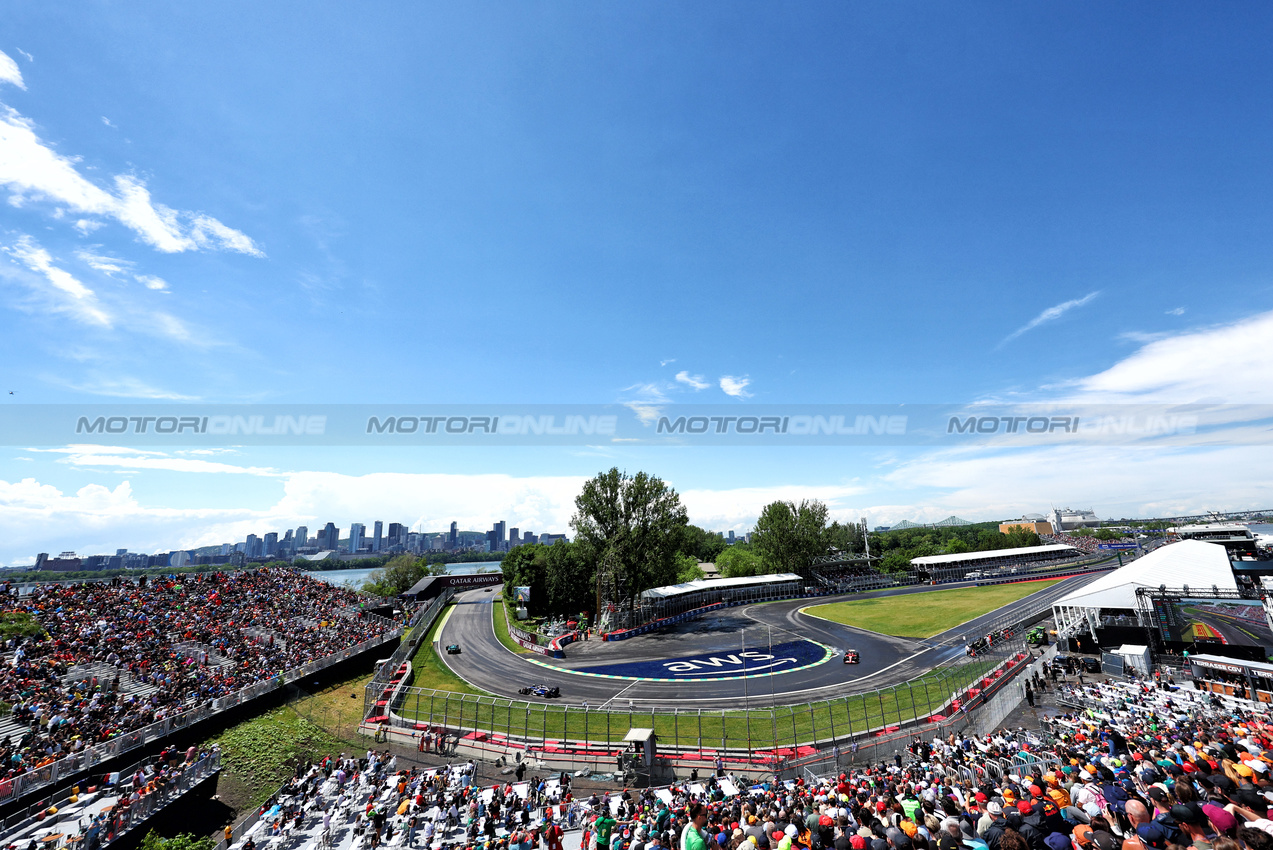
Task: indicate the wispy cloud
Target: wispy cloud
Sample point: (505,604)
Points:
(735,386)
(698,382)
(28,56)
(107,121)
(665,362)
(1176,311)
(1049,315)
(60,290)
(100,262)
(9,71)
(1221,362)
(152,282)
(120,386)
(32,170)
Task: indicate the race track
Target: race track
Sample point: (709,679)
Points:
(711,650)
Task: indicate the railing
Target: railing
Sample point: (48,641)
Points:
(496,726)
(150,803)
(46,775)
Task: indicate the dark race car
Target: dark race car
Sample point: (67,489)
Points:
(544,691)
(453,649)
(851,656)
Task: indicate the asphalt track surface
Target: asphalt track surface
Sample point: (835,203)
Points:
(487,664)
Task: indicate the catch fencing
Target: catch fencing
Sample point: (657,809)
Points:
(752,738)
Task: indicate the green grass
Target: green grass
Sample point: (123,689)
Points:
(428,669)
(760,728)
(501,628)
(922,615)
(261,753)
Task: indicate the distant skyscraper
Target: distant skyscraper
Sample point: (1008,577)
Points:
(250,547)
(500,537)
(529,537)
(329,537)
(302,536)
(730,538)
(514,537)
(379,539)
(356,533)
(454,540)
(271,544)
(397,535)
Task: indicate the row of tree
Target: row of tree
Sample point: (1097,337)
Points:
(632,533)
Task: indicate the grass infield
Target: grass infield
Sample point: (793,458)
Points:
(922,615)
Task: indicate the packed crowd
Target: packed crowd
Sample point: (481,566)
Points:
(1141,766)
(160,647)
(1088,544)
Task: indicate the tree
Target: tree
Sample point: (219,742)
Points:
(397,576)
(688,569)
(527,566)
(633,524)
(789,536)
(739,562)
(846,538)
(703,545)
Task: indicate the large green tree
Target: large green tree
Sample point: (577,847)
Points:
(738,562)
(399,575)
(789,536)
(632,526)
(703,545)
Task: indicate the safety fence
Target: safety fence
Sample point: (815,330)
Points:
(70,806)
(493,727)
(63,769)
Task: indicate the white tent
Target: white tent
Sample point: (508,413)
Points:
(1189,562)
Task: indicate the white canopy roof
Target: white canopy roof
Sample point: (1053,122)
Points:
(1189,562)
(718,584)
(991,554)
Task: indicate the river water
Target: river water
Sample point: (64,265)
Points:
(357,577)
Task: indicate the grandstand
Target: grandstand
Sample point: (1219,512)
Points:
(124,662)
(999,559)
(673,599)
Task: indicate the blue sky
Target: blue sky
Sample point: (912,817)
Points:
(578,202)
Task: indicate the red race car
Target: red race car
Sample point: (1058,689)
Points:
(851,656)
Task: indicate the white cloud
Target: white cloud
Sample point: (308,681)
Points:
(1227,362)
(152,282)
(1176,311)
(122,386)
(107,121)
(86,225)
(130,458)
(63,293)
(666,362)
(983,484)
(735,386)
(28,56)
(697,382)
(33,170)
(9,71)
(100,262)
(1051,314)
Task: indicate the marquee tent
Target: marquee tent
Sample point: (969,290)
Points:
(1189,562)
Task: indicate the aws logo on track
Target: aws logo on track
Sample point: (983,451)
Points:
(726,665)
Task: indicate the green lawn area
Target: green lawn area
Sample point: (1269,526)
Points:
(501,628)
(429,671)
(760,729)
(922,615)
